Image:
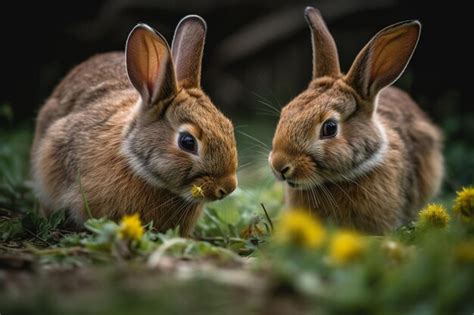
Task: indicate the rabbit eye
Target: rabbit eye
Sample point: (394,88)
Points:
(329,129)
(187,142)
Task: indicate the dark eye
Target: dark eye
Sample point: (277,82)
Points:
(329,129)
(187,142)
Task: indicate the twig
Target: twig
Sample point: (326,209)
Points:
(37,237)
(13,249)
(220,239)
(268,217)
(57,250)
(158,254)
(7,208)
(246,251)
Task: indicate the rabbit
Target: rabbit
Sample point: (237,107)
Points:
(353,150)
(134,132)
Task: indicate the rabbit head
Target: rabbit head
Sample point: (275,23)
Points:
(330,132)
(178,139)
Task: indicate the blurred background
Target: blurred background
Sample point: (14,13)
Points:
(257,56)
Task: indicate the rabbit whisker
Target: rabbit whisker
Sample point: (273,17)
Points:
(180,206)
(263,100)
(270,106)
(343,191)
(253,138)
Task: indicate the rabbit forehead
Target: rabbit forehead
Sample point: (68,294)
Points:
(315,102)
(301,118)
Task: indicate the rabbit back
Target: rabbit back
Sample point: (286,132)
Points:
(80,127)
(97,77)
(421,146)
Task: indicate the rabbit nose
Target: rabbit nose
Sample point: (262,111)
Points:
(280,166)
(227,186)
(220,193)
(286,171)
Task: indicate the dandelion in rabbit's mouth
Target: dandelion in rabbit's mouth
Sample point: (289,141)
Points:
(197,192)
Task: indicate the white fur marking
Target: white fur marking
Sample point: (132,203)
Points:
(137,166)
(132,159)
(371,163)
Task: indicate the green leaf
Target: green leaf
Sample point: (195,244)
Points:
(56,218)
(96,225)
(229,215)
(10,228)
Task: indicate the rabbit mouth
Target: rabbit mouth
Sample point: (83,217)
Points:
(304,184)
(299,185)
(293,184)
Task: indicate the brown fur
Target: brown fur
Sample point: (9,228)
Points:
(83,128)
(384,163)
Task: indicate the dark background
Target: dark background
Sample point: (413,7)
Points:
(255,51)
(252,46)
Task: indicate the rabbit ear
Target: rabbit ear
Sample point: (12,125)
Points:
(325,58)
(383,60)
(187,49)
(149,64)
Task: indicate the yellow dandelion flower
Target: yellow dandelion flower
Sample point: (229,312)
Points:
(464,204)
(346,246)
(131,227)
(464,251)
(197,192)
(433,215)
(299,228)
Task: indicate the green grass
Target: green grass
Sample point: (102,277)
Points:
(232,264)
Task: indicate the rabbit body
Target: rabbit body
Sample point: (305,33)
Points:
(103,141)
(352,150)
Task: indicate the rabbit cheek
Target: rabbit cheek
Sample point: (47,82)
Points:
(139,162)
(175,168)
(337,155)
(305,169)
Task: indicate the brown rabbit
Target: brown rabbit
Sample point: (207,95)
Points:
(138,143)
(351,149)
